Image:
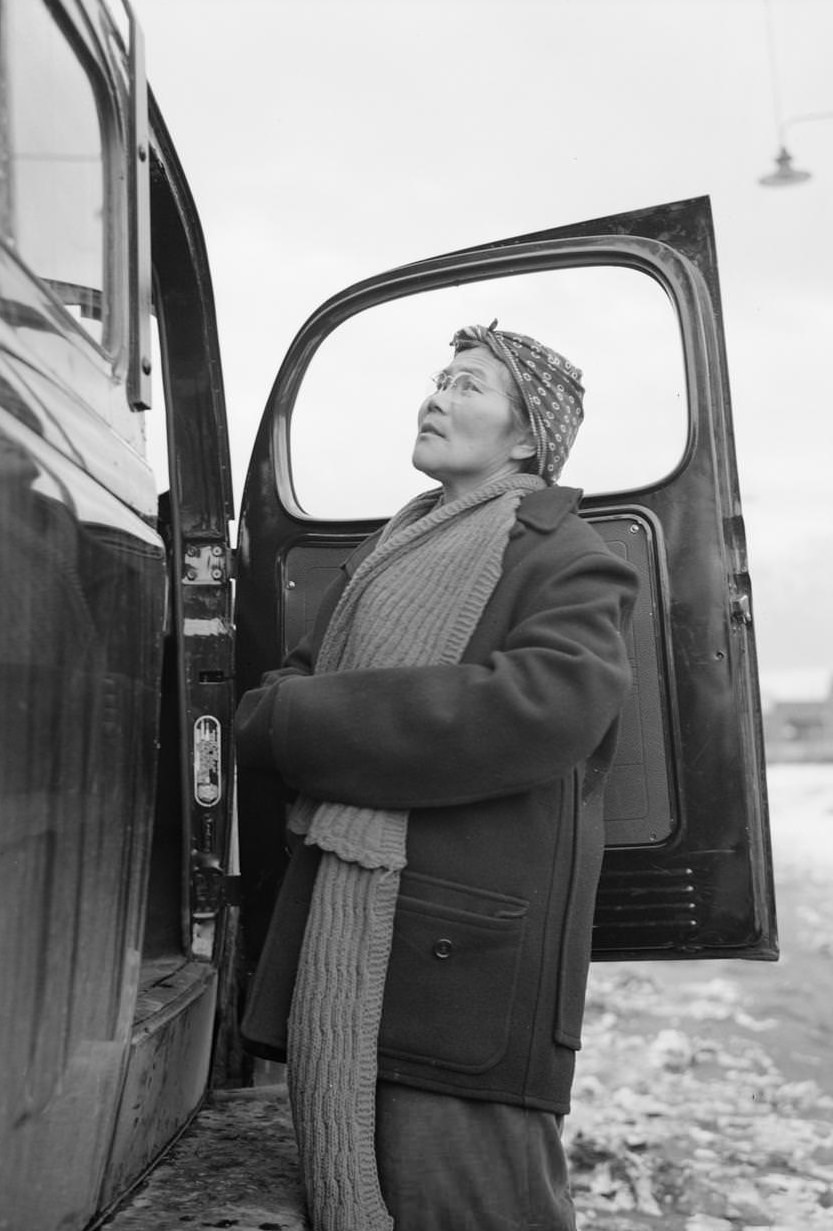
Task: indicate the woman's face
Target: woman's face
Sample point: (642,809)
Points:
(467,433)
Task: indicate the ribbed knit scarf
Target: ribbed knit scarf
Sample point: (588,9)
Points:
(415,600)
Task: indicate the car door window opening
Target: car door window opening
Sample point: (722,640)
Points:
(354,419)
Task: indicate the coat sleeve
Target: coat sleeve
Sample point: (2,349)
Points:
(253,718)
(437,735)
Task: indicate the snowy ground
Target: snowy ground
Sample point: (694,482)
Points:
(704,1097)
(704,1094)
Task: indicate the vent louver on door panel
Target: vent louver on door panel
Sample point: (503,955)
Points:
(646,907)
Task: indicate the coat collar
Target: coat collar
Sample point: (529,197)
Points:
(544,510)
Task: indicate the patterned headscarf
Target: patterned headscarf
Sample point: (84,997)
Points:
(549,385)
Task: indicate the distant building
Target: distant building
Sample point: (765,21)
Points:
(800,730)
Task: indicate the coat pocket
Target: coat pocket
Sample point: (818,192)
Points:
(451,980)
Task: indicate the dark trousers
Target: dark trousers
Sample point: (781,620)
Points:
(450,1164)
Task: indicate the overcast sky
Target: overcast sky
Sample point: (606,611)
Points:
(328,140)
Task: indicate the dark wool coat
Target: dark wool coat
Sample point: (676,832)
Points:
(485,989)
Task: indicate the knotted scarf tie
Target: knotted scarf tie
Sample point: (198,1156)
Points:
(415,600)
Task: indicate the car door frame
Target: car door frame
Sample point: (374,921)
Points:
(706,888)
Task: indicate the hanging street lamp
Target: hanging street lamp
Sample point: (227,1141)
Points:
(785,172)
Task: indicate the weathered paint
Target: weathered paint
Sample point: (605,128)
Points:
(166,1074)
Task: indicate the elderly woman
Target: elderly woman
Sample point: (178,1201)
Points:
(444,732)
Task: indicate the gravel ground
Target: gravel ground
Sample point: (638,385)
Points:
(703,1099)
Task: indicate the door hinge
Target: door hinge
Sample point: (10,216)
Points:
(212,888)
(740,609)
(207,564)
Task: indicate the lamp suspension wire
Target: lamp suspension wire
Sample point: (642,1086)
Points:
(773,72)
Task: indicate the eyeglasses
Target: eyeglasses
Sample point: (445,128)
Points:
(462,384)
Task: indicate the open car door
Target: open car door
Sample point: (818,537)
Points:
(634,301)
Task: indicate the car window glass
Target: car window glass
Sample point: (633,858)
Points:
(54,152)
(354,421)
